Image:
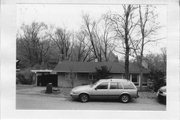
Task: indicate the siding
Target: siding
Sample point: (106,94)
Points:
(120,76)
(82,79)
(64,80)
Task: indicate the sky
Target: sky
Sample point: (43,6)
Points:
(69,16)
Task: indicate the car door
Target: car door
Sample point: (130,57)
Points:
(115,90)
(100,91)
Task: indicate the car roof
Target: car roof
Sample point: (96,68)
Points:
(115,80)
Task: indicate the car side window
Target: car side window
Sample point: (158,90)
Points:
(103,85)
(120,85)
(115,85)
(128,86)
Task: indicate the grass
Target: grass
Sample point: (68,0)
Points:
(65,91)
(20,86)
(149,95)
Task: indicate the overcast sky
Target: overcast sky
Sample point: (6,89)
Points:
(70,16)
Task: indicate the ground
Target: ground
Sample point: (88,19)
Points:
(29,97)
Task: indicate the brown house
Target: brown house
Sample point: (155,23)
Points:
(71,74)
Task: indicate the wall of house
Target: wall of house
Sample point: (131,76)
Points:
(83,79)
(65,80)
(62,82)
(118,76)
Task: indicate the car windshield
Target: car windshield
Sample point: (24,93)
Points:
(94,83)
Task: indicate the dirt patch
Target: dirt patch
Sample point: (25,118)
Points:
(149,95)
(66,91)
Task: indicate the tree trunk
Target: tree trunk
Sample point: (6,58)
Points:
(127,44)
(141,75)
(127,64)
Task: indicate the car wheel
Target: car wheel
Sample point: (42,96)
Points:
(125,98)
(84,98)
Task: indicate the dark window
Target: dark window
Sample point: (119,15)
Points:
(128,85)
(134,78)
(90,76)
(103,85)
(144,84)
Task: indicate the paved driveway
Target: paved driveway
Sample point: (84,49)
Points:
(33,98)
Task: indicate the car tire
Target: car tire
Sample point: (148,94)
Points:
(125,98)
(84,98)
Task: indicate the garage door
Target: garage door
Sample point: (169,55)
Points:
(43,80)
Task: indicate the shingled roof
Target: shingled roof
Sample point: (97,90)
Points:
(90,67)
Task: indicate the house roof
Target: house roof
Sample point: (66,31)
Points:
(41,71)
(90,67)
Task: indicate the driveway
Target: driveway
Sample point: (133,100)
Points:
(34,98)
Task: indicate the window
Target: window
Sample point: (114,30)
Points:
(90,76)
(145,83)
(66,75)
(135,79)
(128,85)
(120,85)
(116,85)
(103,85)
(113,85)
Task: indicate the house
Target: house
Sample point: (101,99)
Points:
(71,74)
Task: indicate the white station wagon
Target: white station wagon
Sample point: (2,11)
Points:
(121,89)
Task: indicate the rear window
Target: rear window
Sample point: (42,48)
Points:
(128,85)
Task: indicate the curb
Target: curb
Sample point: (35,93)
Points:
(43,94)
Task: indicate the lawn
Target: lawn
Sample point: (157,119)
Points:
(20,86)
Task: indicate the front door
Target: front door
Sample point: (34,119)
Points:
(100,91)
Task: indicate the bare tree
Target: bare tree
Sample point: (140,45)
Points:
(81,48)
(89,28)
(61,38)
(124,26)
(33,44)
(105,38)
(164,55)
(147,27)
(100,35)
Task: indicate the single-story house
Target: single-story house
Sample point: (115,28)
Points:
(71,74)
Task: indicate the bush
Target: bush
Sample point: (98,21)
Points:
(24,77)
(102,72)
(19,78)
(158,78)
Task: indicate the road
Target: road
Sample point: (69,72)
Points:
(40,102)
